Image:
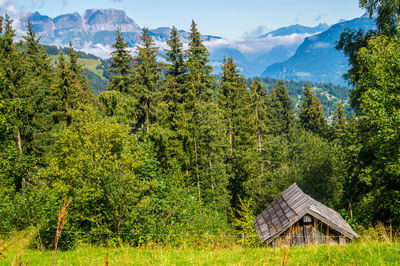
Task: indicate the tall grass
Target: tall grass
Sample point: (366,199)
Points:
(61,222)
(376,246)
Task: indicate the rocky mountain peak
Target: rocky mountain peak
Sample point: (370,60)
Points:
(109,20)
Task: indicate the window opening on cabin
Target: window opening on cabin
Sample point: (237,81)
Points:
(307,219)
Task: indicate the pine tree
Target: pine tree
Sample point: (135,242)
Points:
(198,78)
(241,157)
(121,66)
(79,80)
(311,113)
(340,123)
(173,92)
(281,115)
(70,90)
(174,89)
(36,90)
(259,108)
(11,57)
(39,61)
(175,56)
(147,74)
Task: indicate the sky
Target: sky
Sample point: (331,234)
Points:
(225,18)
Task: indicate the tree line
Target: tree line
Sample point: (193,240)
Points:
(170,148)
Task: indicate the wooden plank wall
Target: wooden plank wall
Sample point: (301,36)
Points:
(315,232)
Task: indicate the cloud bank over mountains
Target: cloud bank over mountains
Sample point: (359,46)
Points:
(255,45)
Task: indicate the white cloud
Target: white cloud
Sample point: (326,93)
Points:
(256,45)
(256,32)
(322,45)
(3,3)
(7,6)
(103,51)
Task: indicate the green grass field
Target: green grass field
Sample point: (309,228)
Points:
(359,253)
(90,64)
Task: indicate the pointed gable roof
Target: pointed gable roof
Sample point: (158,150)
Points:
(289,208)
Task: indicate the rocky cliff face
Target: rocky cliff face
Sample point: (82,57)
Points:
(96,20)
(95,26)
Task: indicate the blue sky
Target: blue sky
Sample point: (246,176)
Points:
(226,18)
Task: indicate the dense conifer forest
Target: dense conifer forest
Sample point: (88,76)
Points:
(171,149)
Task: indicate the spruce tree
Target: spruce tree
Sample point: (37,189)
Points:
(76,70)
(36,90)
(173,92)
(234,100)
(198,78)
(174,55)
(70,90)
(281,115)
(311,113)
(121,66)
(259,110)
(339,123)
(147,74)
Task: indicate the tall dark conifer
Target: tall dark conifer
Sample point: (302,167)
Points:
(121,66)
(173,95)
(80,81)
(147,74)
(175,56)
(259,110)
(70,90)
(234,100)
(281,115)
(311,113)
(198,78)
(36,90)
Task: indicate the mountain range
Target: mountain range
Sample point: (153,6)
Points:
(316,58)
(295,52)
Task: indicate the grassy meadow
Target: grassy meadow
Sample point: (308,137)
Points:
(361,252)
(90,64)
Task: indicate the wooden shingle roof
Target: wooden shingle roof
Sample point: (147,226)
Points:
(289,208)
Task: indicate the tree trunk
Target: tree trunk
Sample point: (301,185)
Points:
(258,131)
(230,136)
(212,183)
(19,141)
(197,169)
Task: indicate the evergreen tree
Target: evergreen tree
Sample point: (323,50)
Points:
(36,90)
(234,99)
(174,90)
(281,115)
(175,56)
(39,61)
(121,66)
(76,71)
(258,103)
(198,78)
(147,74)
(70,90)
(339,123)
(173,96)
(311,113)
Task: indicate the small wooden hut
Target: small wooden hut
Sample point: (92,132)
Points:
(295,218)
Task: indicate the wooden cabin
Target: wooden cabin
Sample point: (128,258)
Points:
(295,218)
